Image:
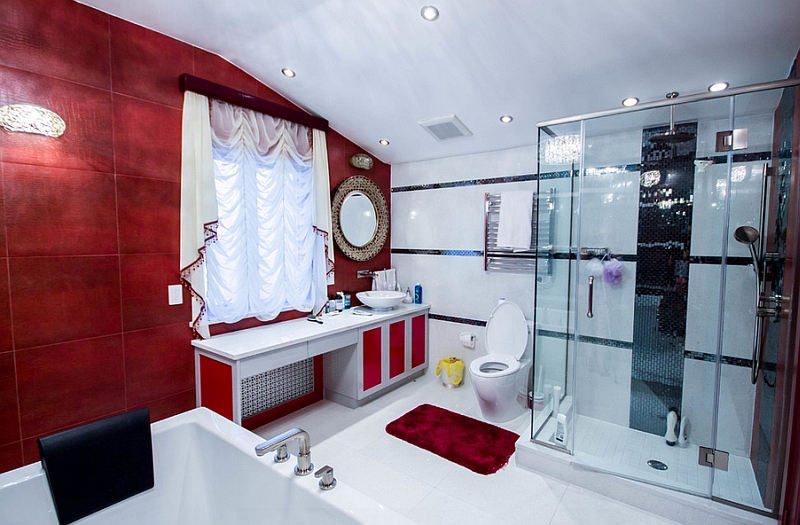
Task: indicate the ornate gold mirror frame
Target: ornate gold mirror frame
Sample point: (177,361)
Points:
(359,184)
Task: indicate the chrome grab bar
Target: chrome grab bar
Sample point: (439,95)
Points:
(589,314)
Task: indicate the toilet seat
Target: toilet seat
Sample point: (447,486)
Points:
(510,363)
(506,338)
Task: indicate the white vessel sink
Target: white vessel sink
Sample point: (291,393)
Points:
(381,300)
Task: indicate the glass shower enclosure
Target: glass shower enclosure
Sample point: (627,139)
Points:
(660,331)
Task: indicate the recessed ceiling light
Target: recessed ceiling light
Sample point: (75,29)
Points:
(383,142)
(718,86)
(505,119)
(288,72)
(630,102)
(429,13)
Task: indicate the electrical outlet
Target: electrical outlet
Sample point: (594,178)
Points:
(175,294)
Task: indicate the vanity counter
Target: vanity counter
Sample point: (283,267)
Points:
(269,338)
(242,374)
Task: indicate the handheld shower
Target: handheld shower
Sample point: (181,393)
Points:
(749,236)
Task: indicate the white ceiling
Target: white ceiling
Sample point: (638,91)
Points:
(374,69)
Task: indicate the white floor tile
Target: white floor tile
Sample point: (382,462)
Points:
(582,507)
(431,490)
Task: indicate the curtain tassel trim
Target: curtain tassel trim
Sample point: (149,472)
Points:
(209,237)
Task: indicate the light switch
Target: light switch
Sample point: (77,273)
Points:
(175,294)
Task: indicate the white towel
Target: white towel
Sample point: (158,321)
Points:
(391,279)
(514,226)
(385,279)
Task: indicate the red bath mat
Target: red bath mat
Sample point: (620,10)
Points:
(478,446)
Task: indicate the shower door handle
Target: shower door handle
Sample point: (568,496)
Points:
(756,366)
(589,314)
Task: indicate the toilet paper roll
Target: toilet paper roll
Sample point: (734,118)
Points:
(467,339)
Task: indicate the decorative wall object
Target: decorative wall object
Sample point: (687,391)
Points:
(361,161)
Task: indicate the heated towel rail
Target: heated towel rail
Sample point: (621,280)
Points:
(535,259)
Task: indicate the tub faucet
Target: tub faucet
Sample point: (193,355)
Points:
(304,465)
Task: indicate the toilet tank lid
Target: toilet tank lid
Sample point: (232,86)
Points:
(507,330)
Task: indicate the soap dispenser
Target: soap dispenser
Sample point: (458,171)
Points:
(409,298)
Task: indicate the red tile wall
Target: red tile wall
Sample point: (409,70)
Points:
(89,222)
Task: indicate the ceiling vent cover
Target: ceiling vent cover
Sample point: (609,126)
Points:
(446,128)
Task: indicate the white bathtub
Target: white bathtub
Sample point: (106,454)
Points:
(206,472)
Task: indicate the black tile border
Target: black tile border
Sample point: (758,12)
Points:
(452,253)
(613,343)
(741,157)
(711,358)
(563,256)
(719,159)
(587,339)
(462,183)
(510,178)
(459,320)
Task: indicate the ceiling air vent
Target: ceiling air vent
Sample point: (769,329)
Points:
(446,128)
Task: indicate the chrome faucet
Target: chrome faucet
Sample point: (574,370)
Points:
(278,443)
(328,481)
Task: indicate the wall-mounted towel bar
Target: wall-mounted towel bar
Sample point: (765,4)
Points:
(542,236)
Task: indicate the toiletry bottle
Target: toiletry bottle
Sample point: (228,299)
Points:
(339,301)
(418,293)
(408,298)
(671,436)
(561,429)
(346,300)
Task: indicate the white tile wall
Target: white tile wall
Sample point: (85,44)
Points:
(736,403)
(444,219)
(610,207)
(612,305)
(708,211)
(703,305)
(603,383)
(517,161)
(458,286)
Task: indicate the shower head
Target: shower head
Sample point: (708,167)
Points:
(746,235)
(672,136)
(749,236)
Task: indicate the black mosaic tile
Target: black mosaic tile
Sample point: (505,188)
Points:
(662,273)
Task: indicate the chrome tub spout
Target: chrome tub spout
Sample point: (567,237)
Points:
(278,443)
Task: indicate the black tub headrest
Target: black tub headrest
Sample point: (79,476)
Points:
(97,465)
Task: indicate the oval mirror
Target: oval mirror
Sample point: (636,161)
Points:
(360,218)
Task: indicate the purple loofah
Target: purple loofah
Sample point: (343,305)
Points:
(612,271)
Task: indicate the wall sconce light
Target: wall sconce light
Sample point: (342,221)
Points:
(29,118)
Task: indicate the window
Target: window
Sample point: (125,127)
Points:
(262,250)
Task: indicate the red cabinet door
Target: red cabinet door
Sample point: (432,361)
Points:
(397,348)
(371,348)
(418,341)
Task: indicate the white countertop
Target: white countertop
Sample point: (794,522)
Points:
(255,341)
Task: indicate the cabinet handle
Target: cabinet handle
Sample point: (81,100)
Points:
(589,314)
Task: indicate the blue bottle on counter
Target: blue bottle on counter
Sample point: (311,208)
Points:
(417,294)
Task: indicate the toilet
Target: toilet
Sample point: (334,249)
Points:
(494,376)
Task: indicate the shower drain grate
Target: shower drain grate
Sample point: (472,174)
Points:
(656,464)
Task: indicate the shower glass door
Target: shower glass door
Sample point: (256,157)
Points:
(751,380)
(640,272)
(667,288)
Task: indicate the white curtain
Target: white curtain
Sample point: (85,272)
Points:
(322,208)
(198,203)
(255,214)
(266,257)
